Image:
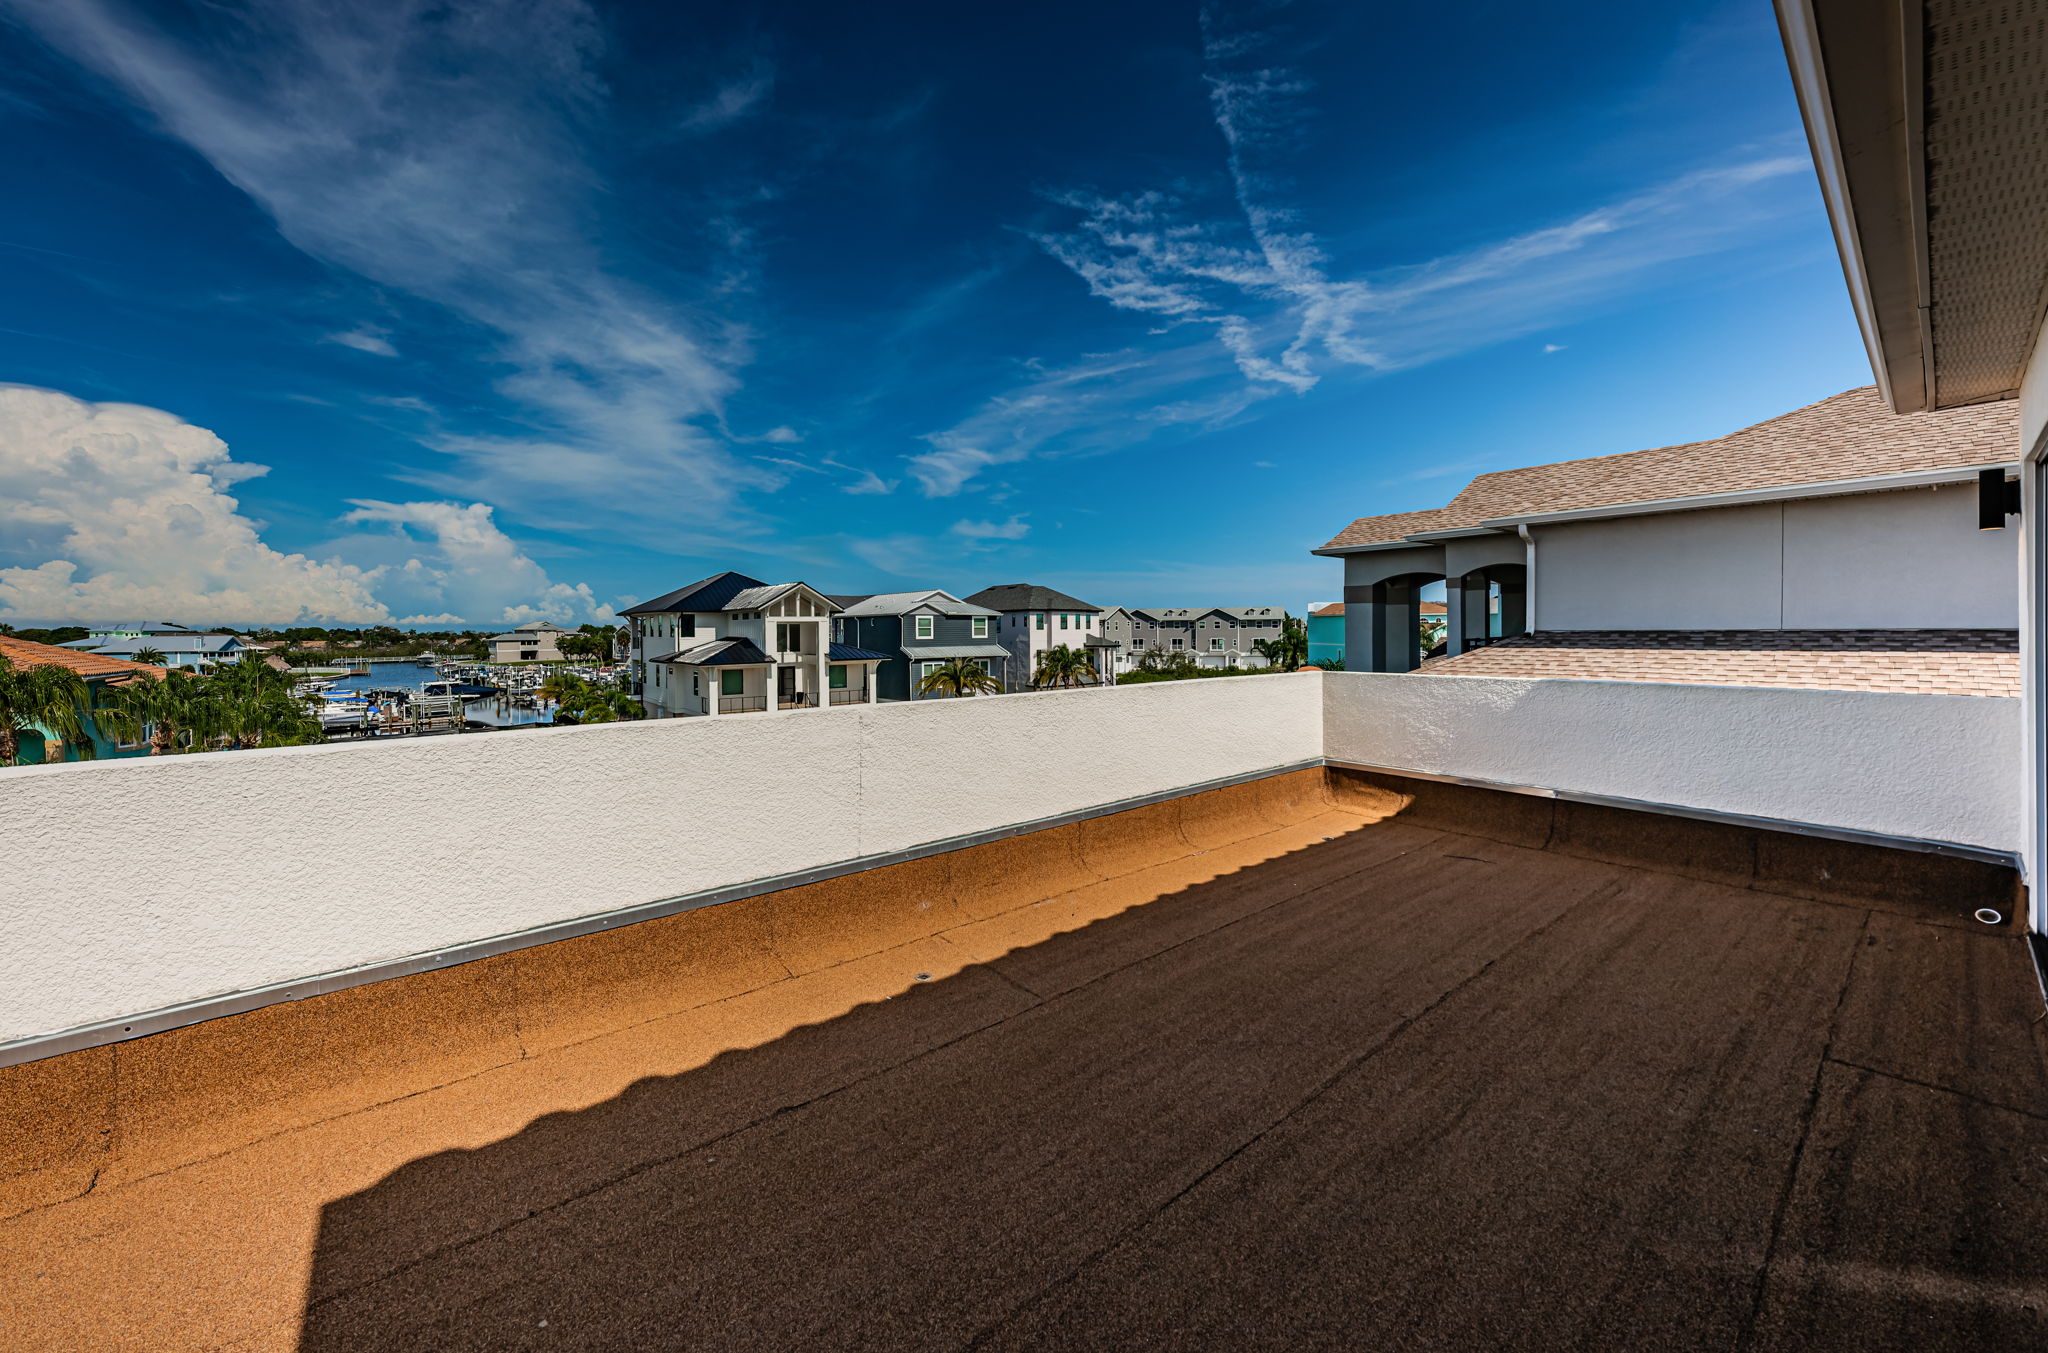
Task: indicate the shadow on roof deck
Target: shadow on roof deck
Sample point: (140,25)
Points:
(1434,1081)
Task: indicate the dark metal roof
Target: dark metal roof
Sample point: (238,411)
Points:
(1028,597)
(1097,641)
(721,653)
(848,601)
(848,653)
(706,594)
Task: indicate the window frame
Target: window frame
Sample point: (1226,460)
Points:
(980,627)
(927,626)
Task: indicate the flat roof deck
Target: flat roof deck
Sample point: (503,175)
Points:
(1413,1090)
(1400,1088)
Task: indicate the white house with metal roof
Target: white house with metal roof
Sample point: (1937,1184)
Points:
(730,644)
(1838,518)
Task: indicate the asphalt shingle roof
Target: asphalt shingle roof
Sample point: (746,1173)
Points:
(1930,662)
(897,603)
(1852,435)
(1007,597)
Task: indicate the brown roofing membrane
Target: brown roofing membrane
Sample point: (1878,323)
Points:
(1926,662)
(1327,1060)
(1852,435)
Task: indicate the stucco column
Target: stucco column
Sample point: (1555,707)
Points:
(1396,621)
(712,680)
(1514,602)
(1465,601)
(824,666)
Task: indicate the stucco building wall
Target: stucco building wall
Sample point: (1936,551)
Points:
(1904,559)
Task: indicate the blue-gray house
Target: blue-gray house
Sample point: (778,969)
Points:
(920,631)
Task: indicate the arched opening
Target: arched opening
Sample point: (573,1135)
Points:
(1397,630)
(1487,605)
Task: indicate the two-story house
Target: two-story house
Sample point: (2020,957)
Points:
(1216,636)
(178,645)
(921,631)
(536,642)
(730,644)
(1838,545)
(1034,619)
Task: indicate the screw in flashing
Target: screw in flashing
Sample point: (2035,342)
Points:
(924,977)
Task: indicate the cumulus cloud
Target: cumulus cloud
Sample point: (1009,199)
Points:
(444,152)
(116,510)
(1016,528)
(473,565)
(782,434)
(364,338)
(112,511)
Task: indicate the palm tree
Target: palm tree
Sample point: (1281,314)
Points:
(960,677)
(48,699)
(250,704)
(152,656)
(1064,666)
(1290,650)
(561,687)
(162,710)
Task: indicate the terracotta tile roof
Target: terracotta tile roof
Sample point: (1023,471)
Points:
(25,653)
(1848,436)
(1435,608)
(1931,662)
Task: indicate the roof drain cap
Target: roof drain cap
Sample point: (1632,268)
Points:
(1988,916)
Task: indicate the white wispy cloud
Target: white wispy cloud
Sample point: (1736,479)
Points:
(1100,402)
(365,338)
(1016,528)
(1242,265)
(441,152)
(117,510)
(729,103)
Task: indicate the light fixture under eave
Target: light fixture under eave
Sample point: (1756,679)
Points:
(1997,499)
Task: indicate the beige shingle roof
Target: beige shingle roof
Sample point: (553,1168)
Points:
(1931,662)
(27,653)
(1847,436)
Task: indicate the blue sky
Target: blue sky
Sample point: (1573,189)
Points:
(540,307)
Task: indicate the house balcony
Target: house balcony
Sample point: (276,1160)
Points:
(1348,1009)
(796,700)
(742,704)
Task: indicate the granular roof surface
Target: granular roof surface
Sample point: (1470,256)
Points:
(1394,1086)
(1924,662)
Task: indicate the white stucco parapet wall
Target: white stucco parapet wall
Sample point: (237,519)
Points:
(130,886)
(1928,767)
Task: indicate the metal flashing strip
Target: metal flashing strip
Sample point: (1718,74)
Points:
(1852,835)
(80,1037)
